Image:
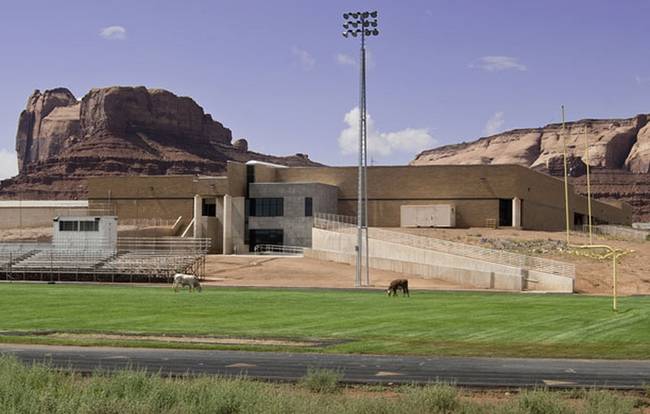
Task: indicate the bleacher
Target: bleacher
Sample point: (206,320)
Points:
(55,260)
(131,260)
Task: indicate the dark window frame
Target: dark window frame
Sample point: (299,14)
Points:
(309,207)
(208,209)
(68,225)
(266,207)
(88,225)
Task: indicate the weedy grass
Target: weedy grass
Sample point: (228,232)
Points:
(41,389)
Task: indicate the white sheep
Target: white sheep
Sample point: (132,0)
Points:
(181,280)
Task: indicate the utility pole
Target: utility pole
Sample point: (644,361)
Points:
(362,24)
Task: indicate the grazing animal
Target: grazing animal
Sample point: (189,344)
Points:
(181,280)
(397,284)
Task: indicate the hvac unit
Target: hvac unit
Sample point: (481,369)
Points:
(433,215)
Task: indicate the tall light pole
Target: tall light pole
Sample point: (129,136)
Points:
(566,179)
(591,241)
(362,24)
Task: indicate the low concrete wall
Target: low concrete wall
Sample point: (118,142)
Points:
(548,282)
(340,247)
(624,233)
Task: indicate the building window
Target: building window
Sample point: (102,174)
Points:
(209,207)
(87,225)
(266,207)
(309,208)
(68,225)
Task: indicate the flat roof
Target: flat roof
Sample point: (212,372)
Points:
(44,203)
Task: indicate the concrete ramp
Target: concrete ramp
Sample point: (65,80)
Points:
(466,265)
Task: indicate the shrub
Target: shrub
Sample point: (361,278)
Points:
(438,398)
(540,402)
(322,380)
(605,402)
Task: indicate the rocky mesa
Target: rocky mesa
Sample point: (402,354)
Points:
(117,131)
(619,156)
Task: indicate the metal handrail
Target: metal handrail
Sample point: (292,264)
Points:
(279,249)
(346,225)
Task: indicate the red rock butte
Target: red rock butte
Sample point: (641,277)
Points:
(118,131)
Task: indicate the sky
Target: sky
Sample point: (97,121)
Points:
(280,74)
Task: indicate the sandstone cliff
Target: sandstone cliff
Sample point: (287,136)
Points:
(619,155)
(116,131)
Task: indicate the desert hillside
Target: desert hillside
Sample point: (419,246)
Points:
(619,156)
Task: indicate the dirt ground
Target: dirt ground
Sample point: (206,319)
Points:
(592,276)
(270,271)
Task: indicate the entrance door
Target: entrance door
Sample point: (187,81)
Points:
(505,212)
(265,236)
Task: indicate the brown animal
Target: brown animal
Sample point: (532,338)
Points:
(397,284)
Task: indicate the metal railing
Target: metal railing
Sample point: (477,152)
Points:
(280,250)
(346,224)
(148,222)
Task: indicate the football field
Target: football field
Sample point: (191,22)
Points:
(340,321)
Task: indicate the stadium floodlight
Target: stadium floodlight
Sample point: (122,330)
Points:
(364,21)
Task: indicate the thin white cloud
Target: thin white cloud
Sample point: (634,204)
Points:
(499,64)
(640,80)
(8,164)
(304,58)
(113,33)
(494,124)
(347,60)
(382,144)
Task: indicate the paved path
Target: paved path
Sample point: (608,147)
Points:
(475,372)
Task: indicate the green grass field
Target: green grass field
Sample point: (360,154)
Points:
(429,323)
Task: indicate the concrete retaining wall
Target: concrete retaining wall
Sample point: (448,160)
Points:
(29,213)
(340,247)
(548,282)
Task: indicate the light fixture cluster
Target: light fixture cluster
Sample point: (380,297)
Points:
(360,24)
